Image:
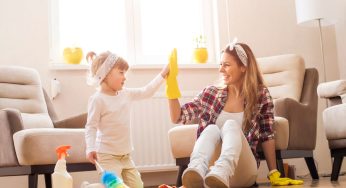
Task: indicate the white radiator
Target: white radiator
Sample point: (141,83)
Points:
(150,123)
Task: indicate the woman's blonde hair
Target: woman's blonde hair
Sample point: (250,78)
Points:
(97,60)
(252,83)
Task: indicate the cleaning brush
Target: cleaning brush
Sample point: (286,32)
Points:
(109,179)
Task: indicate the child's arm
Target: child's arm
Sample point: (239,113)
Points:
(150,89)
(94,111)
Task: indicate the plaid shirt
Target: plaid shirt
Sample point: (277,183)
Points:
(207,105)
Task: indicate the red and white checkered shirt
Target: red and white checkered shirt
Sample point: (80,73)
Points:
(207,106)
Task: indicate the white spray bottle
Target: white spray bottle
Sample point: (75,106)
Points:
(61,178)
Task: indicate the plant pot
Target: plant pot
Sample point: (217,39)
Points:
(200,55)
(73,55)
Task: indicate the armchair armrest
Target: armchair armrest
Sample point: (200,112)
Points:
(300,116)
(37,146)
(182,139)
(10,123)
(15,119)
(333,89)
(74,122)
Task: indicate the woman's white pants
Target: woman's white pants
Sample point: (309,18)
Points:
(236,158)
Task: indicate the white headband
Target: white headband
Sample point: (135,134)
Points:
(103,70)
(239,50)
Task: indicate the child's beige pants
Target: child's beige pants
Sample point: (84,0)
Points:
(123,166)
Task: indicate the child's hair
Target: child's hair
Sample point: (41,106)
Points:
(97,60)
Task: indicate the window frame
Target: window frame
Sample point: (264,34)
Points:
(218,34)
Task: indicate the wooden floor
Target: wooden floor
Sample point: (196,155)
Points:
(323,182)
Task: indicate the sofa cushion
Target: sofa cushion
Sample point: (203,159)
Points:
(281,132)
(37,146)
(182,140)
(333,89)
(333,121)
(21,89)
(284,75)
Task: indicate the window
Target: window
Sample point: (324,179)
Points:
(142,31)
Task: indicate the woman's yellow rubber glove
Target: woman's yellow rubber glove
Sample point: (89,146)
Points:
(275,180)
(172,88)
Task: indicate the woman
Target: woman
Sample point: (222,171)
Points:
(240,115)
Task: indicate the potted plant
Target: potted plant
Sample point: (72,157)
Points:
(200,53)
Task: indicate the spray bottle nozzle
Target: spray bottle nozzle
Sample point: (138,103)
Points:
(62,151)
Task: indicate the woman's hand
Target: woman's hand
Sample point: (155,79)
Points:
(92,157)
(276,180)
(172,87)
(165,71)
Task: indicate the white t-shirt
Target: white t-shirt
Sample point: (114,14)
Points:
(108,124)
(224,116)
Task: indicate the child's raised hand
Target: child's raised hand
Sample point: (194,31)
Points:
(165,71)
(92,157)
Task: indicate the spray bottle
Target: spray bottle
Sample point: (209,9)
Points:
(61,178)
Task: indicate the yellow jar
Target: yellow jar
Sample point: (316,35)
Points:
(73,55)
(200,55)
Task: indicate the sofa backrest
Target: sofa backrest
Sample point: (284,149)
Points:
(283,75)
(21,89)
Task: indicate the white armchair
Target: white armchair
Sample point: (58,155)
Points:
(30,130)
(334,121)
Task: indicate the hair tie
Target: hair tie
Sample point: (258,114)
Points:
(103,70)
(239,50)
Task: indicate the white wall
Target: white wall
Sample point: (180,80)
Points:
(268,26)
(340,30)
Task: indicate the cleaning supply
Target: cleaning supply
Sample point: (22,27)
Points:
(109,179)
(275,180)
(172,88)
(61,178)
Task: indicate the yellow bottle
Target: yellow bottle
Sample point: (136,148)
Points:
(61,178)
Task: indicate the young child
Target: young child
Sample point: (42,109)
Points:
(108,124)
